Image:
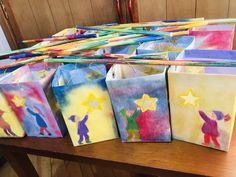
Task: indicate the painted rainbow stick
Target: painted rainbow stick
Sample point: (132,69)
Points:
(163,62)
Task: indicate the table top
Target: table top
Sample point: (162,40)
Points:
(150,158)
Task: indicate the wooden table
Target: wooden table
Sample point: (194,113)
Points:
(164,159)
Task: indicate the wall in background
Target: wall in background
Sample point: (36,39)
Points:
(150,10)
(30,19)
(6,27)
(42,18)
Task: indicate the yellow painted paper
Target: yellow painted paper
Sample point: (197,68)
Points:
(100,122)
(9,124)
(190,93)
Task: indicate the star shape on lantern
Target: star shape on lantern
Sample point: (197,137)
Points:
(93,103)
(18,101)
(190,98)
(146,103)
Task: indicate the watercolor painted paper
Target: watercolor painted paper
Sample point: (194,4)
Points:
(214,37)
(85,103)
(203,100)
(24,89)
(139,99)
(173,45)
(123,49)
(10,126)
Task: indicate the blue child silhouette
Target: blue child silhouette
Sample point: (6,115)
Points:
(82,129)
(39,120)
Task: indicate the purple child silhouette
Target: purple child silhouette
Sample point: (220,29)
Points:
(82,130)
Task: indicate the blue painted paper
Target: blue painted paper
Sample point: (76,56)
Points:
(208,55)
(139,99)
(174,45)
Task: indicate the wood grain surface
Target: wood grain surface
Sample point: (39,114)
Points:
(153,158)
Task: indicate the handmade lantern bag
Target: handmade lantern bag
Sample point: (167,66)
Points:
(203,100)
(10,126)
(139,99)
(24,90)
(123,49)
(214,37)
(173,45)
(85,104)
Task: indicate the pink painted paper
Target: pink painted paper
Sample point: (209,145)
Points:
(218,37)
(24,92)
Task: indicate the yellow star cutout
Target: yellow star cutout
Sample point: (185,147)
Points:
(18,101)
(146,103)
(190,98)
(93,103)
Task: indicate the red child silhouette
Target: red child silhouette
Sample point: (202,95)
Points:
(5,126)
